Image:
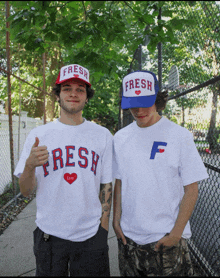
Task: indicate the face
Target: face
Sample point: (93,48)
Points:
(73,96)
(145,116)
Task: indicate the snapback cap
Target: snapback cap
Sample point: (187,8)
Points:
(140,89)
(73,71)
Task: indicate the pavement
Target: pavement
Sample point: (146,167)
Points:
(16,245)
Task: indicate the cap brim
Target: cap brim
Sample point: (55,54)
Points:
(133,102)
(73,78)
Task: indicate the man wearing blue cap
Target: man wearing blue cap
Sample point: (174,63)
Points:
(157,168)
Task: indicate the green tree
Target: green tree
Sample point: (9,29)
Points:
(101,35)
(196,55)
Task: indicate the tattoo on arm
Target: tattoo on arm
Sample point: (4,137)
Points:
(102,186)
(102,199)
(109,199)
(106,193)
(105,208)
(105,197)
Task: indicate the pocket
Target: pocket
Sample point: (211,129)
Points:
(170,249)
(120,242)
(101,237)
(43,262)
(171,256)
(42,252)
(101,228)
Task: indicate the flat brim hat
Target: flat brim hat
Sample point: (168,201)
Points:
(140,89)
(75,72)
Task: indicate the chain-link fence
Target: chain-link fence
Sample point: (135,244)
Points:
(205,220)
(193,103)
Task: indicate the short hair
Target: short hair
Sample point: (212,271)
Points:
(161,100)
(90,92)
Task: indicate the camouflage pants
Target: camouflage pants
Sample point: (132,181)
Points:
(142,260)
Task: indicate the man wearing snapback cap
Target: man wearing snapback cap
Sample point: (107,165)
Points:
(157,168)
(70,162)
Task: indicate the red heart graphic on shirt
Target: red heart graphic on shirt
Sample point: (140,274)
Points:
(138,92)
(70,178)
(161,150)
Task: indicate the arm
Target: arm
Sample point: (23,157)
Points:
(117,211)
(27,181)
(186,208)
(105,197)
(38,157)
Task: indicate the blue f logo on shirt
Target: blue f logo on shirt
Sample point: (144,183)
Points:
(156,150)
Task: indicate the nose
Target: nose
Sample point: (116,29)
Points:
(137,110)
(73,92)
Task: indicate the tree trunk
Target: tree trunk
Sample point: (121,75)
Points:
(213,133)
(183,116)
(56,64)
(50,107)
(127,117)
(39,111)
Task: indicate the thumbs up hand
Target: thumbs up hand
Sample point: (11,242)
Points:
(38,155)
(36,143)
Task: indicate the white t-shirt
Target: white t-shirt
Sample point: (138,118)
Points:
(154,164)
(68,185)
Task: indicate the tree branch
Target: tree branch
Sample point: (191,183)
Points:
(130,7)
(84,10)
(37,88)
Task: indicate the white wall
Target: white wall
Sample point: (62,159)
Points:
(26,125)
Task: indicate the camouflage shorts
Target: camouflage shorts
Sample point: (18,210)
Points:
(142,260)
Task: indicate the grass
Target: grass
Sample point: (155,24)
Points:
(8,194)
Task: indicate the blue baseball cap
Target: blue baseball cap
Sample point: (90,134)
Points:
(140,89)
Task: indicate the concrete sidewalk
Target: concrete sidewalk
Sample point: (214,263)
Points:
(16,245)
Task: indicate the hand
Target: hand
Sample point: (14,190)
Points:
(38,155)
(119,233)
(167,241)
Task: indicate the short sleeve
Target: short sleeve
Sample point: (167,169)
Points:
(192,168)
(115,167)
(25,154)
(106,170)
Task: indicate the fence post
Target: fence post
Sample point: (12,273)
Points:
(19,117)
(44,87)
(159,47)
(140,57)
(24,119)
(9,98)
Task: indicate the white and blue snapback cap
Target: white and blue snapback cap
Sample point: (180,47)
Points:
(140,89)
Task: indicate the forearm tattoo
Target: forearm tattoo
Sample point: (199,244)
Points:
(106,197)
(102,193)
(110,196)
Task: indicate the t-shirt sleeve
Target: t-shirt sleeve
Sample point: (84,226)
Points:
(24,154)
(192,168)
(115,167)
(106,170)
